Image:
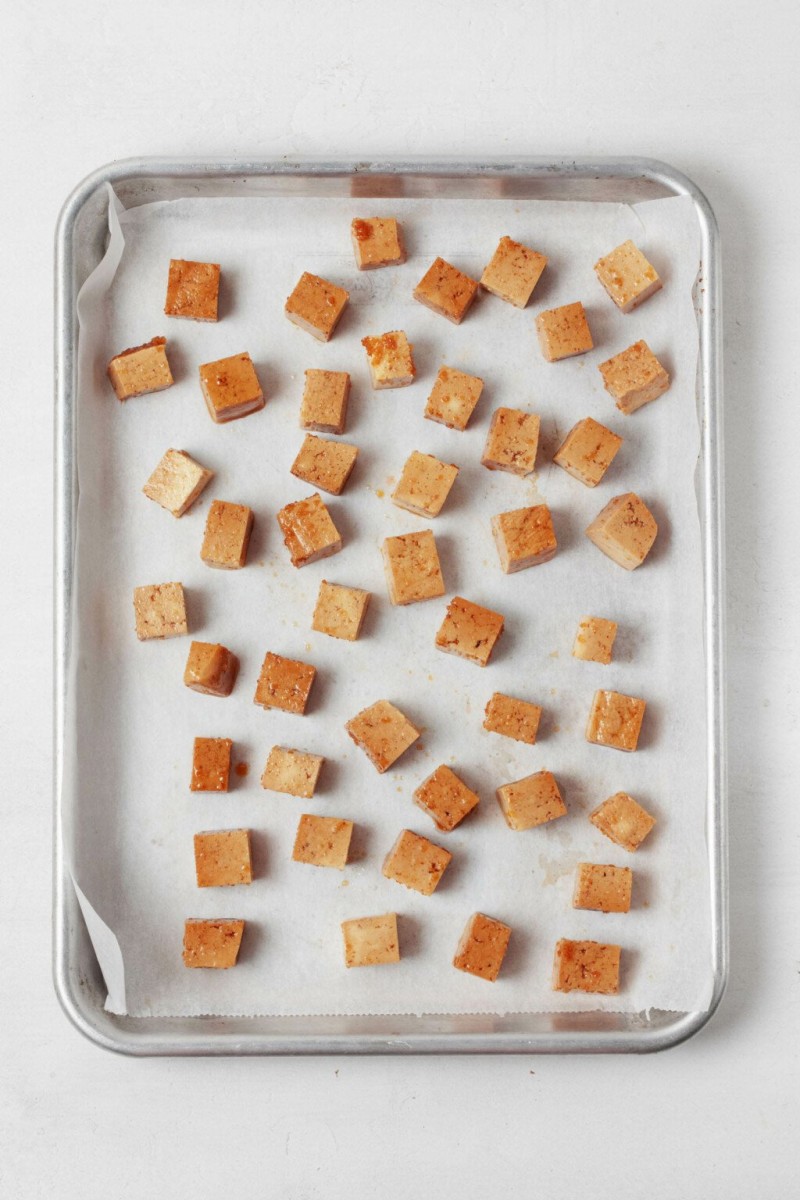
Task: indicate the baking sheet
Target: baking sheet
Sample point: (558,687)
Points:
(129,758)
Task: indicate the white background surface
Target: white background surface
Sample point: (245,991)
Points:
(691,83)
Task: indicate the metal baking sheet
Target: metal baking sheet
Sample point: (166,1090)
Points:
(80,246)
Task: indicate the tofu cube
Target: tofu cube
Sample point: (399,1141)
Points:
(513,272)
(322,841)
(624,530)
(227,535)
(524,537)
(211,764)
(210,669)
(453,399)
(615,720)
(531,801)
(340,611)
(623,820)
(482,947)
(316,306)
(140,370)
(211,943)
(445,798)
(594,640)
(284,683)
(424,484)
(383,733)
(292,772)
(230,388)
(222,858)
(446,291)
(325,465)
(377,242)
(512,441)
(371,941)
(469,630)
(412,568)
(324,404)
(177,482)
(586,967)
(517,719)
(160,611)
(416,863)
(309,533)
(564,332)
(603,888)
(192,290)
(634,377)
(587,451)
(391,360)
(627,276)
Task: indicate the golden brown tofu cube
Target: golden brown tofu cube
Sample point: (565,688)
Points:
(316,306)
(284,683)
(531,801)
(210,669)
(160,611)
(309,533)
(513,272)
(323,464)
(412,568)
(469,630)
(377,242)
(622,820)
(230,388)
(624,530)
(586,967)
(634,377)
(383,733)
(627,276)
(453,399)
(324,404)
(517,719)
(524,537)
(192,290)
(603,888)
(446,291)
(615,720)
(322,841)
(587,451)
(211,764)
(482,947)
(371,941)
(340,611)
(391,360)
(416,863)
(222,858)
(211,943)
(292,772)
(227,535)
(140,370)
(177,482)
(512,442)
(445,798)
(424,484)
(564,332)
(594,640)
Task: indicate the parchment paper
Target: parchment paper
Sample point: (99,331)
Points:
(133,721)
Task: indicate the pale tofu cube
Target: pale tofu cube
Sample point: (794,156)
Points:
(316,306)
(564,332)
(627,276)
(383,733)
(391,360)
(603,888)
(222,858)
(469,630)
(211,764)
(587,451)
(140,370)
(284,683)
(377,242)
(309,533)
(324,404)
(292,772)
(586,967)
(424,484)
(323,464)
(512,441)
(160,611)
(192,290)
(524,537)
(412,568)
(634,377)
(453,399)
(230,388)
(322,841)
(212,944)
(227,535)
(594,640)
(512,718)
(210,669)
(615,720)
(416,863)
(531,801)
(371,941)
(624,530)
(445,798)
(621,819)
(482,947)
(513,272)
(446,291)
(177,482)
(340,611)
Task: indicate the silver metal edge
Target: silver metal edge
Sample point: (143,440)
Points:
(101,1028)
